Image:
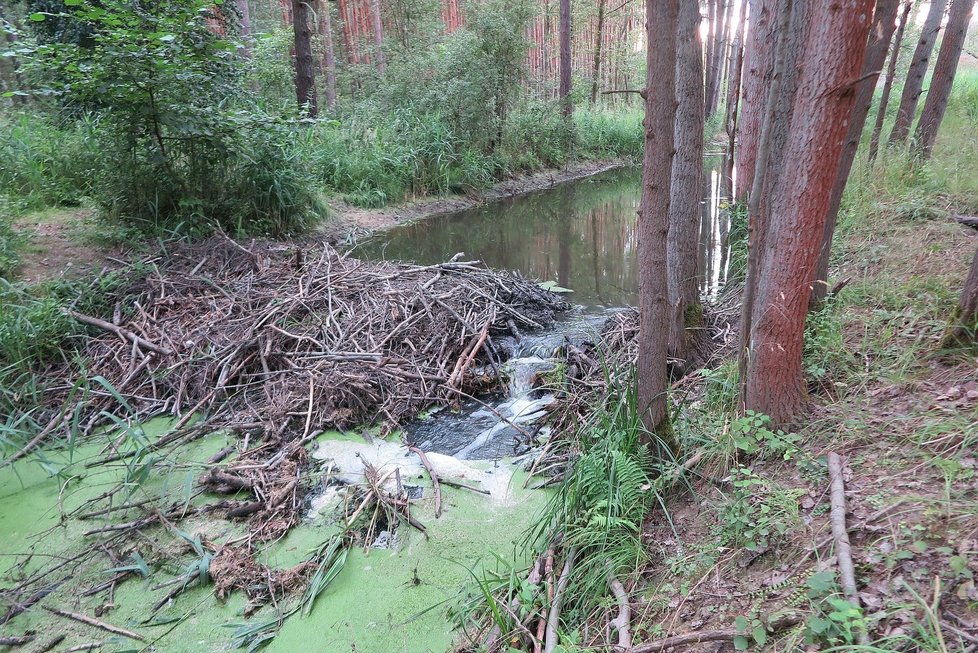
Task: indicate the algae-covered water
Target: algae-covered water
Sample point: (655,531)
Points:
(383,600)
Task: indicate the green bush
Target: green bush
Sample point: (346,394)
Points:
(10,242)
(610,133)
(45,162)
(175,152)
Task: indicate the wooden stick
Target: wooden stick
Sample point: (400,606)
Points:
(16,641)
(436,488)
(119,331)
(462,486)
(623,621)
(843,550)
(553,617)
(708,636)
(85,619)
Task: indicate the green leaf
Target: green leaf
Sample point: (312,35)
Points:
(37,17)
(759,635)
(72,3)
(741,624)
(741,643)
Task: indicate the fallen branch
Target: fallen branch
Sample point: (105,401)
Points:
(709,636)
(553,616)
(125,334)
(623,621)
(436,488)
(16,641)
(462,486)
(843,551)
(95,623)
(966,220)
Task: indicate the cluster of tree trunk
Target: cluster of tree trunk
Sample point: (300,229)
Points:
(798,94)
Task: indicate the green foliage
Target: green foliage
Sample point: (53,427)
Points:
(737,240)
(45,161)
(752,437)
(749,630)
(10,244)
(174,152)
(758,512)
(826,358)
(599,508)
(721,387)
(835,621)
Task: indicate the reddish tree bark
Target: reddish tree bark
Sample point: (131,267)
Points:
(943,78)
(914,85)
(831,63)
(653,218)
(685,187)
(874,140)
(565,57)
(964,328)
(378,32)
(880,34)
(759,54)
(305,76)
(329,52)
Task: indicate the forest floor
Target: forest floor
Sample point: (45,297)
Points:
(750,546)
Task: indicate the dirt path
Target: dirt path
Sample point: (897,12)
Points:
(351,222)
(55,246)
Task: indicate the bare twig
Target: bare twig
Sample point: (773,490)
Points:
(95,623)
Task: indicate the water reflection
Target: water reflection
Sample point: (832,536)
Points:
(580,235)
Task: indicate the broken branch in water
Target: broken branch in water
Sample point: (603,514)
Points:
(95,623)
(436,488)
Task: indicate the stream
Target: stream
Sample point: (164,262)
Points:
(396,596)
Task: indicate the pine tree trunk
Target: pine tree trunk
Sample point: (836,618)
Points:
(653,220)
(329,52)
(912,88)
(686,188)
(721,63)
(759,55)
(565,57)
(710,44)
(874,140)
(244,27)
(943,77)
(964,329)
(378,30)
(305,80)
(596,68)
(831,62)
(734,77)
(880,34)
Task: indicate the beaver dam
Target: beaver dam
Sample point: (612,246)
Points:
(249,436)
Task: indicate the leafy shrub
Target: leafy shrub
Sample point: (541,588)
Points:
(44,161)
(610,133)
(10,242)
(758,512)
(174,153)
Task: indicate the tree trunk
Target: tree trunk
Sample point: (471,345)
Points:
(686,188)
(759,55)
(378,30)
(912,88)
(710,45)
(244,27)
(831,62)
(874,140)
(565,57)
(720,53)
(329,52)
(880,34)
(653,220)
(943,77)
(596,68)
(734,77)
(964,329)
(305,76)
(756,207)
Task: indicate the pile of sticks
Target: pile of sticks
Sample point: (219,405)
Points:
(291,340)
